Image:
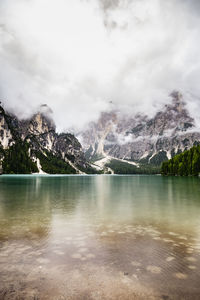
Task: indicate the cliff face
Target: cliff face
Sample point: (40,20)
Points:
(33,145)
(36,142)
(142,139)
(6,138)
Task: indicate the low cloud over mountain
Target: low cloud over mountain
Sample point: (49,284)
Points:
(78,56)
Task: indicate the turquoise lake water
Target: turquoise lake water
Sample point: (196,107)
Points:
(99,237)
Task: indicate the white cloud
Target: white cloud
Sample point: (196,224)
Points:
(78,55)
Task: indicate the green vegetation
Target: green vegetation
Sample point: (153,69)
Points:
(158,158)
(54,165)
(17,160)
(120,167)
(184,164)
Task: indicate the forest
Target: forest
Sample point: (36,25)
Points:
(184,164)
(120,167)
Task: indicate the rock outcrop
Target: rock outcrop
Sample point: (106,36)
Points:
(142,139)
(40,145)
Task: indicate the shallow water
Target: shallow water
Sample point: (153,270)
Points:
(99,237)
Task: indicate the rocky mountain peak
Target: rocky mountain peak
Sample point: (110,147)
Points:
(41,123)
(140,138)
(41,147)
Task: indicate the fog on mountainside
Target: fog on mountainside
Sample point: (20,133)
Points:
(85,57)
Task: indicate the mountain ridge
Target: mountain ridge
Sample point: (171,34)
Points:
(36,141)
(114,140)
(141,139)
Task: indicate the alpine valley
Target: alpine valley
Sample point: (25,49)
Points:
(114,144)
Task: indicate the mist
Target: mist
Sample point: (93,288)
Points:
(83,57)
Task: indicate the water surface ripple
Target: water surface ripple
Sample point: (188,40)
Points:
(99,237)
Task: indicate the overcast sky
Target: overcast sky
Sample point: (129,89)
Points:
(78,55)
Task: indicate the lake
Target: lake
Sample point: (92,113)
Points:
(99,237)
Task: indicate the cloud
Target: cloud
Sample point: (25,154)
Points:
(78,55)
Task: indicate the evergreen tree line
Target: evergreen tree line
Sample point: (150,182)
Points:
(184,164)
(17,160)
(52,164)
(120,167)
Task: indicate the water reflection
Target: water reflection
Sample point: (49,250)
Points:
(136,234)
(36,200)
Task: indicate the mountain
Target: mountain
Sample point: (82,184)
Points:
(140,139)
(33,145)
(115,143)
